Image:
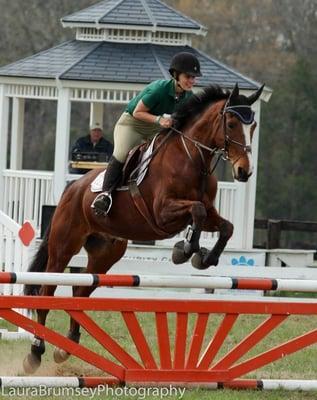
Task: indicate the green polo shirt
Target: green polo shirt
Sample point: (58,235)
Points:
(159,97)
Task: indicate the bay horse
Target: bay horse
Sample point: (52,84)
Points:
(179,190)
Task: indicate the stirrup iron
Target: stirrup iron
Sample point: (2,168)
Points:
(102,197)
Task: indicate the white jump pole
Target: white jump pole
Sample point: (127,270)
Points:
(7,382)
(170,281)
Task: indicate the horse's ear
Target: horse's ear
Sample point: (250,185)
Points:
(253,98)
(235,92)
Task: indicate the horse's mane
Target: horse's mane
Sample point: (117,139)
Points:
(197,103)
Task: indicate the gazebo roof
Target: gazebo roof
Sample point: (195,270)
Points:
(118,62)
(143,13)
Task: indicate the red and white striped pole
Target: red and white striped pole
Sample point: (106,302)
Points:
(169,281)
(84,382)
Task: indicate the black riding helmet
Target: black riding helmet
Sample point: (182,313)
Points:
(185,62)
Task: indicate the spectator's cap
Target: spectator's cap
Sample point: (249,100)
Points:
(95,125)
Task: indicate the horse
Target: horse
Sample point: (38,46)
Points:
(179,190)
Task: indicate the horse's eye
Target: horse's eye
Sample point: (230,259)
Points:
(231,125)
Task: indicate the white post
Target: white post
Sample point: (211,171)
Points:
(96,113)
(4,126)
(249,204)
(17,128)
(61,142)
(239,216)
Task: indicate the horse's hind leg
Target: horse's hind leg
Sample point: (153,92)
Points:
(33,360)
(57,262)
(103,252)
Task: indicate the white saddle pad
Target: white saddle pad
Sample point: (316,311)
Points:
(96,185)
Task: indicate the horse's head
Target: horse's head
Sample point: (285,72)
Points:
(238,126)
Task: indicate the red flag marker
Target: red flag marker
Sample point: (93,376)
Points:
(26,233)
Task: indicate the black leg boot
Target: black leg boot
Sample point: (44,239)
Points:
(103,201)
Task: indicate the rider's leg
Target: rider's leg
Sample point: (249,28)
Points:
(103,201)
(125,138)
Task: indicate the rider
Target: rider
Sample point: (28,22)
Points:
(144,116)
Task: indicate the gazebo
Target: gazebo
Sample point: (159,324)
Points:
(120,46)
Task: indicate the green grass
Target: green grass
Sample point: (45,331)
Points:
(301,365)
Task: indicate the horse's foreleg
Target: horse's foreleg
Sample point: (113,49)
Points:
(214,223)
(184,249)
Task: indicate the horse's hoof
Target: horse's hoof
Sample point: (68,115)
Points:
(60,355)
(211,259)
(178,255)
(31,363)
(198,259)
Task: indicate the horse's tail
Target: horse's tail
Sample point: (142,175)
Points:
(40,259)
(38,263)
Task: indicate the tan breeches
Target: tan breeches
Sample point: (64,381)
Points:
(129,132)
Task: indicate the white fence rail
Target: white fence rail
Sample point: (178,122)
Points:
(25,192)
(14,257)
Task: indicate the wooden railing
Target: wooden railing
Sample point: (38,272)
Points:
(275,227)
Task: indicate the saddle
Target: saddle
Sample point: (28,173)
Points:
(134,159)
(138,160)
(138,156)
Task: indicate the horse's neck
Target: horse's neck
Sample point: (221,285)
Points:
(206,130)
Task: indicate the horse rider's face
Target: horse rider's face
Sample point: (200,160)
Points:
(186,81)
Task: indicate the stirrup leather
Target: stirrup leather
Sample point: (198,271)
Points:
(101,197)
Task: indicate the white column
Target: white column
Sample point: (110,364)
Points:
(240,219)
(96,113)
(17,129)
(249,204)
(61,142)
(4,127)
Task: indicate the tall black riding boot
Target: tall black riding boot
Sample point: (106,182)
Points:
(103,201)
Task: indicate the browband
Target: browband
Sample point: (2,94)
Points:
(243,112)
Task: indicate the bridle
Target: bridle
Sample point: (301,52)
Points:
(222,153)
(200,147)
(245,120)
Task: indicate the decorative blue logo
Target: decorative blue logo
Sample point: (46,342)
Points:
(243,261)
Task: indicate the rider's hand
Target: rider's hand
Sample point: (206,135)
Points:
(166,122)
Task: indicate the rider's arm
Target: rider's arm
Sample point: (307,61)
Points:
(142,113)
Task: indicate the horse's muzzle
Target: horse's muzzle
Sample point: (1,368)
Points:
(242,175)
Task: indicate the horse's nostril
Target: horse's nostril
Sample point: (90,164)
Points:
(242,175)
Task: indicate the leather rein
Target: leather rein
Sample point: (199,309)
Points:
(222,153)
